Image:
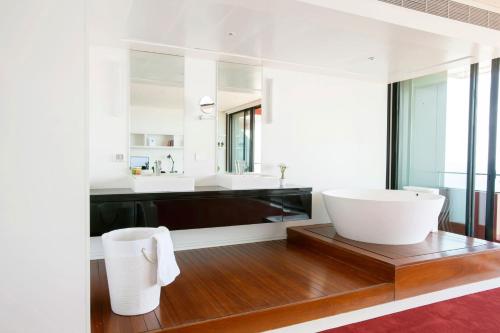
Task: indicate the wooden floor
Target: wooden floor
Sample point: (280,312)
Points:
(442,261)
(245,288)
(314,273)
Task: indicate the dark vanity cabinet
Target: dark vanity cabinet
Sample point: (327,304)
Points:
(296,207)
(210,212)
(107,216)
(205,207)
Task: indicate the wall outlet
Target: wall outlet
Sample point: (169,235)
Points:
(200,157)
(118,158)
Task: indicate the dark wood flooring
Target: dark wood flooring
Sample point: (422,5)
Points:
(245,288)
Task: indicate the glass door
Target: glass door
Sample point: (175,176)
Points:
(443,128)
(433,118)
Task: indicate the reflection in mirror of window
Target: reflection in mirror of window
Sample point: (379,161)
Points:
(239,114)
(157,110)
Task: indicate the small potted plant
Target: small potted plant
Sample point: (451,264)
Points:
(283,168)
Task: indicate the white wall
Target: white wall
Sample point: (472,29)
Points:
(43,174)
(331,132)
(199,135)
(108,116)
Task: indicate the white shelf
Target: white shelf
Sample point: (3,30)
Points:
(156,141)
(156,147)
(167,134)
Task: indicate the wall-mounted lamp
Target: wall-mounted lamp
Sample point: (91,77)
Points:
(207,107)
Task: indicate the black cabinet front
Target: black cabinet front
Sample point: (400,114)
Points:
(297,207)
(178,212)
(209,212)
(107,216)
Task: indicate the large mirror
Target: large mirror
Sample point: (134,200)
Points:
(239,114)
(156,112)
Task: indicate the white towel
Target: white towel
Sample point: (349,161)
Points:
(167,269)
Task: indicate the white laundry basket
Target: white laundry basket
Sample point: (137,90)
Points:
(130,256)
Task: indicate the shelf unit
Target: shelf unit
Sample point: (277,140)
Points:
(156,141)
(157,147)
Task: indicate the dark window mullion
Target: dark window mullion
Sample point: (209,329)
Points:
(388,153)
(492,143)
(392,135)
(251,145)
(244,135)
(471,152)
(229,143)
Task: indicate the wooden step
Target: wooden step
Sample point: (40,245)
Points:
(442,261)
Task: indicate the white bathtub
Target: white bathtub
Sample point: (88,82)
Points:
(383,216)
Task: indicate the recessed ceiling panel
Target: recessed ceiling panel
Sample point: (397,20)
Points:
(293,32)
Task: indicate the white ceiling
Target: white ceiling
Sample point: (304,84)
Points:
(298,34)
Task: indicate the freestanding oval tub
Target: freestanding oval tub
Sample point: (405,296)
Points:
(383,216)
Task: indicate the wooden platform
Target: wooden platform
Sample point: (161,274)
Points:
(245,288)
(315,273)
(443,260)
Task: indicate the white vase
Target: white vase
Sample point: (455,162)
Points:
(282,182)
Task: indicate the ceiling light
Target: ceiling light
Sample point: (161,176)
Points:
(371,58)
(231,34)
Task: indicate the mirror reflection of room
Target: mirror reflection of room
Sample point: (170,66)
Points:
(239,99)
(156,113)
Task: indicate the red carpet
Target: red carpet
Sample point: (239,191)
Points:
(472,313)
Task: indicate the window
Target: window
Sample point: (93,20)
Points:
(433,123)
(442,131)
(243,130)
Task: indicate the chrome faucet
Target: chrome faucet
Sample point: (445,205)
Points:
(241,166)
(157,168)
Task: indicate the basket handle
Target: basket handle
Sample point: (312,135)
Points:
(147,257)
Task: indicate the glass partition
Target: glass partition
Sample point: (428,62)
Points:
(446,140)
(433,123)
(482,135)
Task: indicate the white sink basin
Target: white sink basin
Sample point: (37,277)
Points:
(163,183)
(247,181)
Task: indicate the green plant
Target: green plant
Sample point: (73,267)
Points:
(283,168)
